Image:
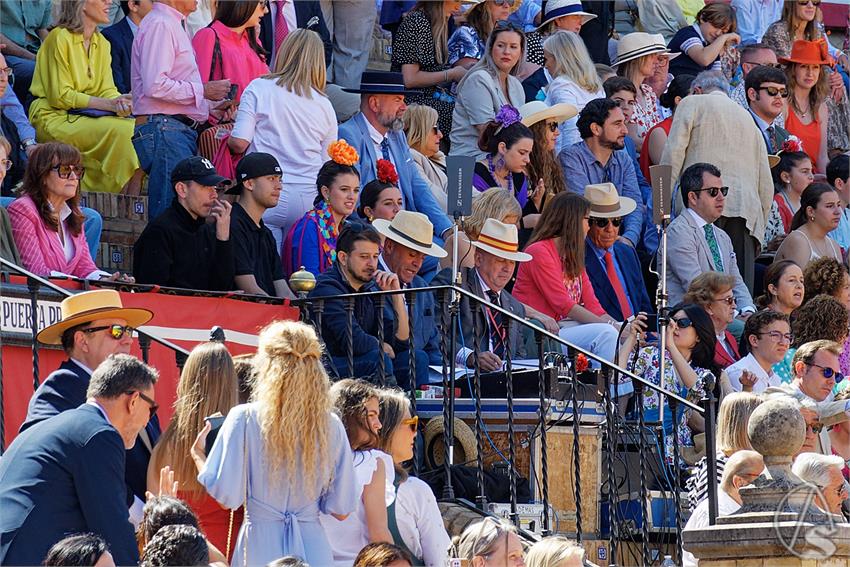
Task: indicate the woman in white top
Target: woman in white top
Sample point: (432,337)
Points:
(414,519)
(574,80)
(487,87)
(288,115)
(818,215)
(356,403)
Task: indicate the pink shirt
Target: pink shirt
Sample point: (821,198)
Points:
(163,72)
(238,62)
(39,246)
(541,284)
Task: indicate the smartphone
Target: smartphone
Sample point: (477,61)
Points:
(215,422)
(232,94)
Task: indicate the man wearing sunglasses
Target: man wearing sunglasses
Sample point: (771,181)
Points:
(767,96)
(695,244)
(65,475)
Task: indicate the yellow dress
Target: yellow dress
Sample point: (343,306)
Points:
(66,77)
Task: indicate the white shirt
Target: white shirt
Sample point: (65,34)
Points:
(377,138)
(68,247)
(749,362)
(699,519)
(295,130)
(420,522)
(563,89)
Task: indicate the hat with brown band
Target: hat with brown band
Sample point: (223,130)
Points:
(606,203)
(90,306)
(413,230)
(501,240)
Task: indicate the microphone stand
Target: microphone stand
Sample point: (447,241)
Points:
(660,176)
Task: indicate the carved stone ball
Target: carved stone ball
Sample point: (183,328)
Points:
(777,428)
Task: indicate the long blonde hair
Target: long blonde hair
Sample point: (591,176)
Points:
(299,65)
(292,395)
(572,60)
(207,385)
(554,551)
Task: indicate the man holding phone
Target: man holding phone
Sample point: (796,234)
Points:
(180,248)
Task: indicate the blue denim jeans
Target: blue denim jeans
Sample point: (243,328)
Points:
(93,225)
(160,144)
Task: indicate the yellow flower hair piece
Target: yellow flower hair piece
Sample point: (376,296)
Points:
(343,153)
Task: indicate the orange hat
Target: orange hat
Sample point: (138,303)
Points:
(809,53)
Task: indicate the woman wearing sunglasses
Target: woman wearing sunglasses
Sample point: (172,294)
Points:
(47,223)
(689,368)
(414,519)
(714,293)
(424,134)
(818,215)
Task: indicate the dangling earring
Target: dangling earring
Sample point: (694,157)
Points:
(371,218)
(500,163)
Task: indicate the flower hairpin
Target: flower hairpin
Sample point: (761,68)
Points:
(343,153)
(507,115)
(792,144)
(387,172)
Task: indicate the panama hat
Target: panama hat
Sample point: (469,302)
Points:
(637,44)
(557,8)
(535,111)
(501,240)
(413,230)
(809,53)
(89,306)
(465,447)
(606,203)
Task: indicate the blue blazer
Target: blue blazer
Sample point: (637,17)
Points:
(60,477)
(414,189)
(65,389)
(120,38)
(627,258)
(425,335)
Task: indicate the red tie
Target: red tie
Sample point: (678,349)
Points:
(281,30)
(618,287)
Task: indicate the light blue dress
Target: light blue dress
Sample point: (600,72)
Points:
(281,519)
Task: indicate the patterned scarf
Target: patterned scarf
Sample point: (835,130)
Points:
(328,231)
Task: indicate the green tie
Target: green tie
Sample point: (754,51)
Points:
(712,245)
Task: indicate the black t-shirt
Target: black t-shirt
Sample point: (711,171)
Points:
(254,250)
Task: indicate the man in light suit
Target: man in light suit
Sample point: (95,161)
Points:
(695,244)
(612,266)
(711,128)
(65,475)
(376,133)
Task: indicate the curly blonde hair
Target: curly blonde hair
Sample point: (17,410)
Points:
(824,275)
(294,403)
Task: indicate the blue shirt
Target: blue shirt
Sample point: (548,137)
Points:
(600,255)
(754,16)
(14,111)
(650,232)
(581,168)
(841,234)
(525,14)
(762,128)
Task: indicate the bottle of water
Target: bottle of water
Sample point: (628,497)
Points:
(668,562)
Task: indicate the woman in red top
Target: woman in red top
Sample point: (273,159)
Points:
(555,281)
(807,114)
(208,385)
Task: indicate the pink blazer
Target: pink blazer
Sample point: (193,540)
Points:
(39,246)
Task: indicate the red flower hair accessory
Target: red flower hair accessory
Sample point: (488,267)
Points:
(387,172)
(582,363)
(792,144)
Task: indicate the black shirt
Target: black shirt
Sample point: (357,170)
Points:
(254,250)
(176,250)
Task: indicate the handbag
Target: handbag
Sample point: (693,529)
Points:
(212,139)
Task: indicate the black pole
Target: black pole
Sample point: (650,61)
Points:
(448,399)
(481,499)
(711,456)
(411,392)
(644,544)
(611,434)
(145,347)
(32,286)
(411,373)
(676,495)
(509,383)
(349,308)
(382,371)
(542,413)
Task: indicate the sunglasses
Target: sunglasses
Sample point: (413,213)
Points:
(435,129)
(683,322)
(509,3)
(412,423)
(153,405)
(504,25)
(553,126)
(117,332)
(779,337)
(602,223)
(727,300)
(773,91)
(814,3)
(828,372)
(65,171)
(713,191)
(814,428)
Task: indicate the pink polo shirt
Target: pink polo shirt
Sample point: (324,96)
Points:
(238,62)
(163,72)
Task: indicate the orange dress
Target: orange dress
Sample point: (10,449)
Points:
(809,134)
(214,520)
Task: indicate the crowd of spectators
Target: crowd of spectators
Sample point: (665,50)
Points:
(263,144)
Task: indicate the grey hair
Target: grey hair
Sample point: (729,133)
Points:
(709,82)
(118,374)
(814,467)
(481,538)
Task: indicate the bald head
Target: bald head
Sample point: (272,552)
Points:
(741,469)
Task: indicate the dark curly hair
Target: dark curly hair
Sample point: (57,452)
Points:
(176,544)
(756,324)
(160,512)
(77,550)
(824,275)
(822,317)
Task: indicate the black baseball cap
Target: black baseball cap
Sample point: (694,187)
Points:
(257,164)
(197,169)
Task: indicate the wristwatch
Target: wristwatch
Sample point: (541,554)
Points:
(27,143)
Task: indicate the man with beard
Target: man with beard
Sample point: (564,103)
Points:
(356,271)
(601,158)
(376,132)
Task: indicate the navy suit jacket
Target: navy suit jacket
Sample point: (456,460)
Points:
(65,389)
(120,38)
(634,286)
(305,10)
(64,476)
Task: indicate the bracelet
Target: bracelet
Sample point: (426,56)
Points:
(446,76)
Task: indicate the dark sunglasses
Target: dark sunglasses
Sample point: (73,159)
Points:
(553,126)
(814,428)
(504,25)
(153,405)
(435,129)
(713,191)
(65,171)
(727,300)
(828,372)
(117,332)
(683,322)
(602,223)
(814,3)
(504,2)
(773,91)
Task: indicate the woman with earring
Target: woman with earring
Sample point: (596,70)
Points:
(818,215)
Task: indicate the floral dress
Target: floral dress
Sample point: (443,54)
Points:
(465,42)
(648,367)
(646,113)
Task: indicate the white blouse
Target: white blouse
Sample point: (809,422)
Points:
(420,522)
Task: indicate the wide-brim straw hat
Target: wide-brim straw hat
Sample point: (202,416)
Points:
(535,111)
(557,8)
(809,53)
(638,44)
(501,240)
(90,306)
(465,447)
(413,230)
(606,203)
